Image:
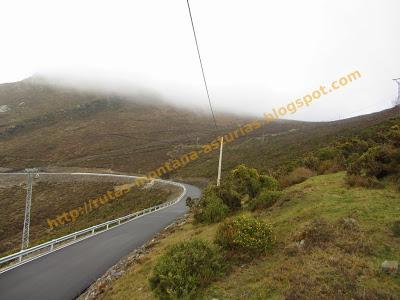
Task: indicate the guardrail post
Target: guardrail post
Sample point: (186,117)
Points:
(51,247)
(93,231)
(107,226)
(20,258)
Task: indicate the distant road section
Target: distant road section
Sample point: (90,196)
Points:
(66,273)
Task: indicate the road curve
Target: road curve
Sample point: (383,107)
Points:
(66,273)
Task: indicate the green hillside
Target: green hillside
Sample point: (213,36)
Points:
(345,263)
(327,231)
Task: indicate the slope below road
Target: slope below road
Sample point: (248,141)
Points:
(66,273)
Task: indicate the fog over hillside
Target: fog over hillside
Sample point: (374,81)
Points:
(128,89)
(256,57)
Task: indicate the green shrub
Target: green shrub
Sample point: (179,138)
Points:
(353,158)
(353,145)
(245,236)
(245,180)
(379,161)
(374,161)
(327,153)
(283,170)
(210,209)
(184,269)
(265,200)
(311,162)
(394,135)
(353,166)
(229,196)
(269,183)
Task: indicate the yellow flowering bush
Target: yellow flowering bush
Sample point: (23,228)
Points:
(245,235)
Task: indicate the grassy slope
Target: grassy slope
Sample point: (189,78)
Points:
(51,199)
(312,273)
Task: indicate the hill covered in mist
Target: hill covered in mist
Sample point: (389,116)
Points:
(46,125)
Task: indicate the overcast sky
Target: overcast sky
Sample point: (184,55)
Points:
(257,54)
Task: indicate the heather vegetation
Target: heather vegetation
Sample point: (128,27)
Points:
(367,157)
(320,240)
(141,133)
(318,227)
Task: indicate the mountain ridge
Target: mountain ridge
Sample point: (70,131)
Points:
(49,126)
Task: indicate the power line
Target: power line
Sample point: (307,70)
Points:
(201,65)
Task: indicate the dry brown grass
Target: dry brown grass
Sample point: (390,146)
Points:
(330,274)
(298,175)
(345,235)
(331,263)
(363,181)
(329,167)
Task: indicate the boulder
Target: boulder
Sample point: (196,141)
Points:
(390,266)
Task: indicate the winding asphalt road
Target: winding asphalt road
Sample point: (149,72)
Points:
(66,273)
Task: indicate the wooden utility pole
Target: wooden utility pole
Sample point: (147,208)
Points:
(220,162)
(397,101)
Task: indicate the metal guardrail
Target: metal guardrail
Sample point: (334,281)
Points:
(50,246)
